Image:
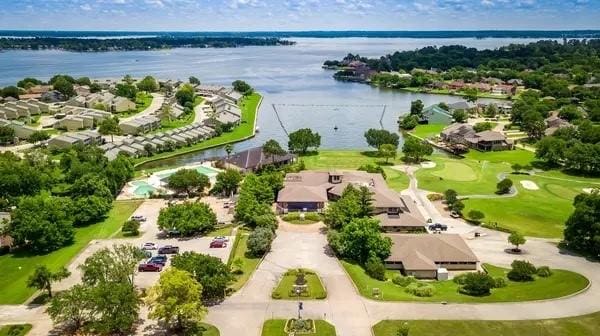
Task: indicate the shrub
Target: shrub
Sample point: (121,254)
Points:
(131,227)
(375,269)
(403,281)
(460,279)
(544,271)
(259,241)
(476,216)
(477,284)
(521,270)
(276,295)
(435,197)
(420,289)
(499,282)
(504,186)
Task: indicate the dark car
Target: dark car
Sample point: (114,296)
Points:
(218,244)
(168,249)
(160,259)
(438,226)
(150,267)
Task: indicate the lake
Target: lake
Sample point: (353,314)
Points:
(296,90)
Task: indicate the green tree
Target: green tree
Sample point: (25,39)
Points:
(477,284)
(361,239)
(457,206)
(72,307)
(115,265)
(408,122)
(416,107)
(189,181)
(42,278)
(552,150)
(83,81)
(483,126)
(228,149)
(187,218)
(175,300)
(7,135)
(259,241)
(582,232)
(185,94)
(126,90)
(451,196)
(194,80)
(209,271)
(64,86)
(242,87)
(415,150)
(375,268)
(131,227)
(227,182)
(109,126)
(378,137)
(516,239)
(387,151)
(38,136)
(10,91)
(521,270)
(348,207)
(148,84)
(271,149)
(28,82)
(116,308)
(476,216)
(303,139)
(504,186)
(460,116)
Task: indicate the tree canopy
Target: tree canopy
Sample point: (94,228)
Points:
(415,150)
(303,139)
(189,181)
(210,272)
(188,218)
(377,137)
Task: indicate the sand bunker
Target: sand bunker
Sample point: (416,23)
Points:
(529,185)
(590,190)
(428,164)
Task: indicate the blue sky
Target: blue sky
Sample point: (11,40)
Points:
(245,15)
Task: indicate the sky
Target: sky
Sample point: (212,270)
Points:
(272,15)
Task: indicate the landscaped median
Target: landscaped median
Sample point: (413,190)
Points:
(301,284)
(586,325)
(15,330)
(17,267)
(278,328)
(302,218)
(560,283)
(245,130)
(242,264)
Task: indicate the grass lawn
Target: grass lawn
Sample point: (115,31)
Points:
(142,102)
(16,267)
(586,325)
(477,174)
(561,283)
(221,231)
(285,288)
(209,330)
(249,107)
(249,264)
(277,328)
(15,330)
(427,131)
(185,120)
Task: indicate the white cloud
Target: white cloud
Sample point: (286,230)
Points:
(86,7)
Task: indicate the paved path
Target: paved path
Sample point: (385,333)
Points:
(157,101)
(200,116)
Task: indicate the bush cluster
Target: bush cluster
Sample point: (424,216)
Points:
(375,269)
(420,289)
(403,281)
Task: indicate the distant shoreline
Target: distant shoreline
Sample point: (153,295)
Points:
(541,34)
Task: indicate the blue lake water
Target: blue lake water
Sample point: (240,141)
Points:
(290,78)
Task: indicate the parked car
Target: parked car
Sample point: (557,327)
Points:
(454,214)
(160,259)
(149,246)
(139,218)
(438,226)
(173,233)
(218,244)
(150,267)
(223,238)
(168,249)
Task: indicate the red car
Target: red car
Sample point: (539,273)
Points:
(218,244)
(150,267)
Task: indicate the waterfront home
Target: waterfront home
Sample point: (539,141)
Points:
(461,105)
(70,139)
(554,122)
(464,134)
(140,125)
(254,159)
(434,114)
(425,255)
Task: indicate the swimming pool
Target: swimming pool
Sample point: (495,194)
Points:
(143,188)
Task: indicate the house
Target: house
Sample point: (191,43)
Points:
(105,100)
(462,105)
(464,134)
(232,95)
(140,125)
(122,104)
(53,97)
(21,130)
(502,89)
(554,122)
(82,90)
(423,255)
(254,158)
(434,114)
(312,190)
(78,138)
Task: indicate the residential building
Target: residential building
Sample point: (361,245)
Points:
(140,125)
(464,134)
(254,158)
(434,114)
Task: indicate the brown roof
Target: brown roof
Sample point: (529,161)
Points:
(254,158)
(490,136)
(422,251)
(300,193)
(409,216)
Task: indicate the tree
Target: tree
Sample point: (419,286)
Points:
(42,278)
(416,107)
(460,116)
(302,139)
(403,330)
(189,181)
(175,300)
(43,223)
(361,239)
(187,218)
(451,196)
(64,86)
(194,80)
(408,122)
(375,268)
(185,94)
(521,270)
(228,149)
(476,216)
(387,151)
(7,135)
(415,150)
(28,82)
(271,148)
(131,227)
(90,209)
(483,126)
(378,137)
(148,84)
(582,232)
(551,149)
(126,90)
(242,87)
(38,136)
(116,308)
(504,186)
(109,126)
(115,265)
(457,206)
(477,284)
(348,207)
(83,81)
(209,271)
(259,241)
(10,91)
(72,307)
(516,239)
(227,182)
(533,124)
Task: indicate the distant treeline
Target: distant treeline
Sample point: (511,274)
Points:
(539,34)
(517,57)
(150,43)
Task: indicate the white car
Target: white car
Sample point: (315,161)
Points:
(222,238)
(149,246)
